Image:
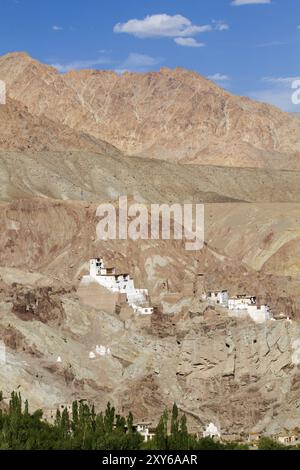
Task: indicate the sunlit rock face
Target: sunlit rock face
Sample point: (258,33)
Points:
(176,115)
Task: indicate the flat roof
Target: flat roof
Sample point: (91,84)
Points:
(242,296)
(113,275)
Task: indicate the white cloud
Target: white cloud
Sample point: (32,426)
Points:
(238,3)
(220,25)
(134,62)
(140,60)
(56,28)
(104,51)
(161,25)
(280,80)
(219,77)
(272,44)
(188,42)
(137,63)
(80,64)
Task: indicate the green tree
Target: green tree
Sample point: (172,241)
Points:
(161,432)
(130,422)
(174,421)
(265,443)
(109,418)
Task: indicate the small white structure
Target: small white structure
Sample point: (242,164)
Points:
(97,268)
(144,430)
(287,439)
(119,283)
(102,350)
(259,314)
(92,355)
(58,359)
(246,305)
(241,306)
(212,431)
(241,302)
(219,297)
(222,298)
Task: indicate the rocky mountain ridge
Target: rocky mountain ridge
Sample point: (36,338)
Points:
(174,115)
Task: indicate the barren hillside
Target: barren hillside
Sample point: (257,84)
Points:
(175,115)
(69,142)
(243,242)
(83,175)
(22,131)
(233,372)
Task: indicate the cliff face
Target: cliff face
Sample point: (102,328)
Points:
(237,374)
(172,114)
(244,374)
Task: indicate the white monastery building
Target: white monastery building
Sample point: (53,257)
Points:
(248,304)
(219,297)
(241,302)
(241,305)
(259,314)
(212,431)
(144,430)
(119,283)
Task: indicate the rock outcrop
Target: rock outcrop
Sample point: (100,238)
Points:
(175,115)
(238,374)
(58,161)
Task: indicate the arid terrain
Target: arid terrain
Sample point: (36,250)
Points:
(175,115)
(69,142)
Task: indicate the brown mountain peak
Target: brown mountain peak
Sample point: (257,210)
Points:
(174,114)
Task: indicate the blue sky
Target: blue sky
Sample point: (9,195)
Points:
(250,47)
